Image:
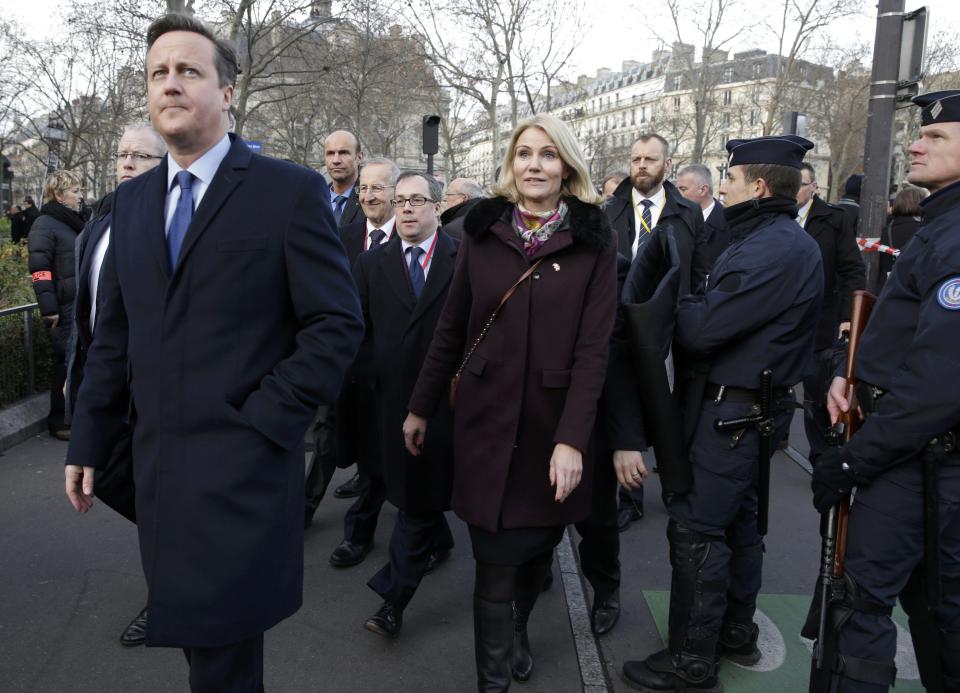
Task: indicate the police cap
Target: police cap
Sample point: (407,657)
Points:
(783,150)
(939,107)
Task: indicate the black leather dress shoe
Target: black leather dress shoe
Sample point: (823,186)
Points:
(387,621)
(135,633)
(348,554)
(436,558)
(348,489)
(626,514)
(605,613)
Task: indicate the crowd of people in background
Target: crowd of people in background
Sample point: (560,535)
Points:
(461,348)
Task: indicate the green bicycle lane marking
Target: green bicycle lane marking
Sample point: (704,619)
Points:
(787,613)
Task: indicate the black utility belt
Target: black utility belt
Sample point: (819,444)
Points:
(869,396)
(742,395)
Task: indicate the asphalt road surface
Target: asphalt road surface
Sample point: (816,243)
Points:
(71,583)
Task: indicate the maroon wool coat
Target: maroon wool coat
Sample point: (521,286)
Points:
(535,379)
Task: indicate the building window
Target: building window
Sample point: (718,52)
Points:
(643,115)
(676,103)
(725,120)
(633,117)
(753,118)
(728,74)
(727,97)
(758,71)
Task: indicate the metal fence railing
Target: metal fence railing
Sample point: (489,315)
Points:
(24,354)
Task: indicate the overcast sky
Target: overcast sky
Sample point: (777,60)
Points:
(616,32)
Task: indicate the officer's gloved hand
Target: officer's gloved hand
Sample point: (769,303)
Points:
(831,483)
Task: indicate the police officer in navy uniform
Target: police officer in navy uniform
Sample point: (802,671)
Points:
(908,368)
(758,310)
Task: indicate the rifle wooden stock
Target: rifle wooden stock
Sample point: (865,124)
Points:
(833,525)
(860,309)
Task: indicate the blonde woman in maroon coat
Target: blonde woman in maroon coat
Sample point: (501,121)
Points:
(528,395)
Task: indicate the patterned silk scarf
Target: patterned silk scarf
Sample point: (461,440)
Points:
(535,228)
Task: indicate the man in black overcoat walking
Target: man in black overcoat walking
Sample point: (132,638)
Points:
(403,286)
(225,323)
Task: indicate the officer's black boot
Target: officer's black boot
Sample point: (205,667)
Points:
(493,637)
(689,663)
(738,635)
(950,672)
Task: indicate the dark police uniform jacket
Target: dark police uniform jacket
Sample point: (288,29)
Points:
(223,362)
(760,306)
(910,349)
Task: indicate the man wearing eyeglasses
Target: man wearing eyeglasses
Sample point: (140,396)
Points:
(462,194)
(403,286)
(349,437)
(140,149)
(843,273)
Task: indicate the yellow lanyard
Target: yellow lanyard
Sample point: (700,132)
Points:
(642,222)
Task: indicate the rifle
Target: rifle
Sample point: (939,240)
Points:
(833,525)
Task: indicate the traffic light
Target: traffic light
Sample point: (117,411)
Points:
(431,134)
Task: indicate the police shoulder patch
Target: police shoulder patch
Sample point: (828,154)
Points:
(948,295)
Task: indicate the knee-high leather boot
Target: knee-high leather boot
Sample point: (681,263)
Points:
(493,638)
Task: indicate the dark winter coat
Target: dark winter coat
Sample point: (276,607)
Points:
(535,379)
(680,214)
(398,334)
(843,268)
(716,233)
(222,363)
(52,244)
(452,219)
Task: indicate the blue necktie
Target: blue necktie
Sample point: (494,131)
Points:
(181,217)
(376,238)
(338,204)
(417,280)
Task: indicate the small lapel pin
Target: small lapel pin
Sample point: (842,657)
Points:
(556,267)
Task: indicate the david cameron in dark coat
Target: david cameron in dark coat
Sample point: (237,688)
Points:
(225,323)
(403,287)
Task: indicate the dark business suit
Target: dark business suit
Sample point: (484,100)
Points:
(358,427)
(352,211)
(399,330)
(715,232)
(338,440)
(222,361)
(115,482)
(843,273)
(683,216)
(686,220)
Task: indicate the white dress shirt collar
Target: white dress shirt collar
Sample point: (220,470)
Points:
(387,229)
(709,210)
(203,168)
(425,244)
(804,212)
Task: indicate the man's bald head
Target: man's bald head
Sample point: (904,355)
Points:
(342,154)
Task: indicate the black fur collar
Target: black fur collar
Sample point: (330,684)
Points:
(588,223)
